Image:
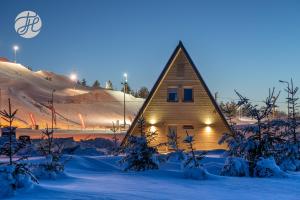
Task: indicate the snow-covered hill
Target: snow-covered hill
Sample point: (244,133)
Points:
(30,93)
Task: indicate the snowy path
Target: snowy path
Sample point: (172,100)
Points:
(99,178)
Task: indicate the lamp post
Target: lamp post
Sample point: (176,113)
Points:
(124,83)
(52,109)
(15,48)
(288,85)
(73,78)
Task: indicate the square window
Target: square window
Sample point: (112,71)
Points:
(172,95)
(188,95)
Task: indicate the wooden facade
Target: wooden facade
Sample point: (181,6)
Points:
(200,116)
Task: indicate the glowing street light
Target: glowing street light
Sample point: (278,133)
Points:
(15,48)
(73,78)
(124,90)
(125,77)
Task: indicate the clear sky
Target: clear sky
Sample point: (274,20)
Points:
(243,45)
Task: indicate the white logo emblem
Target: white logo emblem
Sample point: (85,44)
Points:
(28,24)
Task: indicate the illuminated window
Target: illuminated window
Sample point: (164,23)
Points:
(172,95)
(188,95)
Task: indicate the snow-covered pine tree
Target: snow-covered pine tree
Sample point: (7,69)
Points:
(290,154)
(109,85)
(143,92)
(192,159)
(83,82)
(235,164)
(115,138)
(176,153)
(14,174)
(192,167)
(52,151)
(139,155)
(235,138)
(262,138)
(96,84)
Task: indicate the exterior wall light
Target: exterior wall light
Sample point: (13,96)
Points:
(208,129)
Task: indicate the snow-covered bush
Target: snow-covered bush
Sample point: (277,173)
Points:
(178,155)
(198,173)
(13,177)
(235,166)
(290,165)
(50,168)
(289,157)
(267,167)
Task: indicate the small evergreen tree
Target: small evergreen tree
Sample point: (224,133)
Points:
(192,167)
(192,160)
(14,174)
(109,85)
(233,138)
(259,141)
(96,84)
(176,153)
(115,138)
(139,154)
(290,156)
(51,149)
(143,92)
(83,82)
(128,89)
(173,140)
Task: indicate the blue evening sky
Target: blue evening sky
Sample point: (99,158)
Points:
(243,45)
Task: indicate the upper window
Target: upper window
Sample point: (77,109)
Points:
(172,95)
(188,95)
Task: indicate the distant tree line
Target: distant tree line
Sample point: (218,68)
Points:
(143,92)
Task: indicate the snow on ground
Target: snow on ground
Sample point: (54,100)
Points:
(99,177)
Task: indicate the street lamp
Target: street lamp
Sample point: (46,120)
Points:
(124,83)
(73,78)
(52,109)
(288,85)
(15,48)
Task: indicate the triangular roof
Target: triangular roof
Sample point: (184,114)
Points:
(179,47)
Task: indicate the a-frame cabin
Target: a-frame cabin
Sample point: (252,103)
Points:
(180,101)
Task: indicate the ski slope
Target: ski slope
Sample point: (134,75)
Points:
(30,92)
